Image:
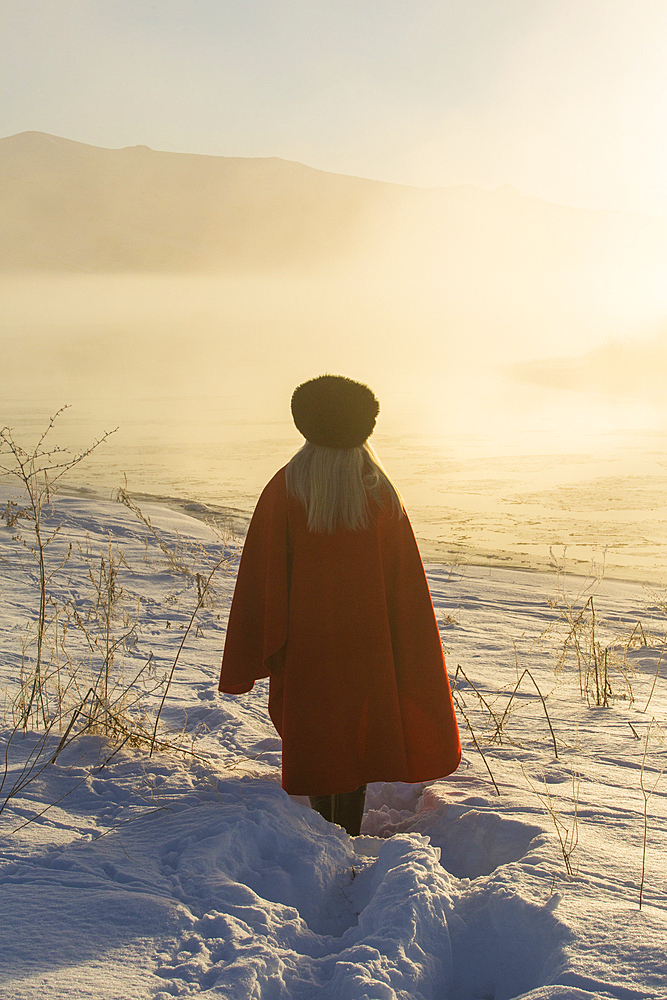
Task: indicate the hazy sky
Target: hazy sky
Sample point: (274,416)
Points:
(564,99)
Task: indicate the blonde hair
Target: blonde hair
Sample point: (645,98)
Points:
(334,485)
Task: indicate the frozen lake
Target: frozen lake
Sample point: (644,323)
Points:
(470,499)
(496,462)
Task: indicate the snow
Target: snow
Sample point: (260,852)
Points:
(180,874)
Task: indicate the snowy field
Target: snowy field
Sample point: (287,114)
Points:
(181,873)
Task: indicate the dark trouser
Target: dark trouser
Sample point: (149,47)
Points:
(346,809)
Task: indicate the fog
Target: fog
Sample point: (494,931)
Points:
(187,293)
(507,432)
(451,358)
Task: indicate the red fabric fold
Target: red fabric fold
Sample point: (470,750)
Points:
(343,625)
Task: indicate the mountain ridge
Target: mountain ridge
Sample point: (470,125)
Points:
(71,206)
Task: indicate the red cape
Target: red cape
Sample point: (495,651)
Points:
(344,626)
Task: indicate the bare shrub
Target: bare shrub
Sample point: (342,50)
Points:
(74,678)
(647,791)
(567,832)
(38,471)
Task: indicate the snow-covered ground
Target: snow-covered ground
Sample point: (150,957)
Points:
(175,875)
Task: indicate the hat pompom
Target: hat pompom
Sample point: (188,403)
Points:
(334,411)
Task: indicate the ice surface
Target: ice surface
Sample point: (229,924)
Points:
(174,876)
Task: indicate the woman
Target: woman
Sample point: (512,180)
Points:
(332,604)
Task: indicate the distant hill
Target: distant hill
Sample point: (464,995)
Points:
(68,206)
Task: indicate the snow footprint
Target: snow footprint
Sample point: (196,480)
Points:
(288,907)
(473,839)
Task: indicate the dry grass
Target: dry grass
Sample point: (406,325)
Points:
(73,678)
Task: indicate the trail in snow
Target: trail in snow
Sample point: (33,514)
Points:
(172,877)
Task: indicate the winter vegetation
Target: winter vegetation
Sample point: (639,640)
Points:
(149,850)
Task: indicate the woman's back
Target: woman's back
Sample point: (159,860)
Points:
(340,616)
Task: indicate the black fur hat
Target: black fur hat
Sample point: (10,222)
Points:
(334,411)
